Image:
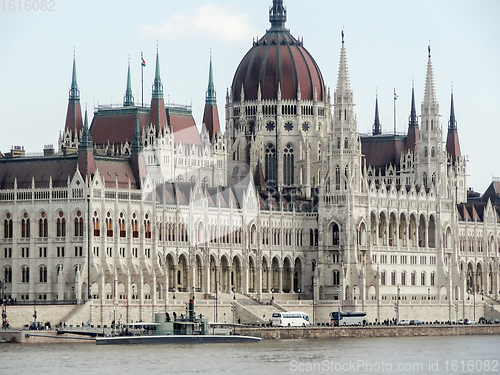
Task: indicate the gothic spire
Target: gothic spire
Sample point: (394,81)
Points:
(157,85)
(411,140)
(136,142)
(452,142)
(413,123)
(74,93)
(210,96)
(377,128)
(343,84)
(430,91)
(210,114)
(277,15)
(128,100)
(452,124)
(74,122)
(86,138)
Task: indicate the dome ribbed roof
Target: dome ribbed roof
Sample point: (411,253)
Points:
(278,58)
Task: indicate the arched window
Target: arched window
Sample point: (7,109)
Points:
(109,226)
(121,225)
(335,234)
(424,180)
(337,178)
(7,229)
(95,223)
(393,278)
(8,274)
(271,163)
(135,230)
(336,277)
(78,224)
(61,225)
(426,152)
(43,226)
(43,274)
(25,226)
(288,165)
(382,278)
(433,152)
(346,143)
(25,274)
(413,278)
(422,278)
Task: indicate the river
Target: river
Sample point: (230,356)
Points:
(405,355)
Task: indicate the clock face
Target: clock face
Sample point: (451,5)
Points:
(305,126)
(270,126)
(288,126)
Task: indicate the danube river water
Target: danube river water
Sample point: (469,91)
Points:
(405,355)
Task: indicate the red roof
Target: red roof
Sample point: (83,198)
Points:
(278,58)
(383,150)
(184,128)
(211,120)
(452,144)
(116,126)
(74,109)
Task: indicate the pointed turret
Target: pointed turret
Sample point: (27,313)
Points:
(157,117)
(343,84)
(74,121)
(430,91)
(452,143)
(86,162)
(128,99)
(277,15)
(377,128)
(211,114)
(411,141)
(136,142)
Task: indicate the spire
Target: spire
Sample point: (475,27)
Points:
(343,83)
(211,114)
(277,15)
(412,125)
(210,95)
(377,128)
(86,138)
(452,124)
(430,91)
(136,142)
(128,100)
(157,85)
(452,142)
(74,113)
(74,93)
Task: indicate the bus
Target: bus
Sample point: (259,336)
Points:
(290,319)
(353,318)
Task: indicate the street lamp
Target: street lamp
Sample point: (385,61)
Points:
(234,293)
(298,291)
(272,295)
(429,294)
(216,292)
(339,298)
(397,305)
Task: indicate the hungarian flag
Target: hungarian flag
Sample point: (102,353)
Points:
(143,63)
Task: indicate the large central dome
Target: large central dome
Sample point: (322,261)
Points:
(278,58)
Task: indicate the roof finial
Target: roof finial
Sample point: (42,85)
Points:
(342,35)
(157,85)
(277,15)
(429,48)
(74,93)
(128,100)
(210,95)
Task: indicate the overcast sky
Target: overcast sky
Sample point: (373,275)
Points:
(386,44)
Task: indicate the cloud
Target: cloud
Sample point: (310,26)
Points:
(221,22)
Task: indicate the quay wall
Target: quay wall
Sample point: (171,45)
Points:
(360,332)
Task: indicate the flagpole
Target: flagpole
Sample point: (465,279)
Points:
(142,80)
(395,97)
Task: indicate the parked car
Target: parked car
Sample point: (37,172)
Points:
(495,321)
(405,322)
(461,321)
(415,322)
(471,322)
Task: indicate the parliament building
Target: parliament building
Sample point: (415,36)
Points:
(288,201)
